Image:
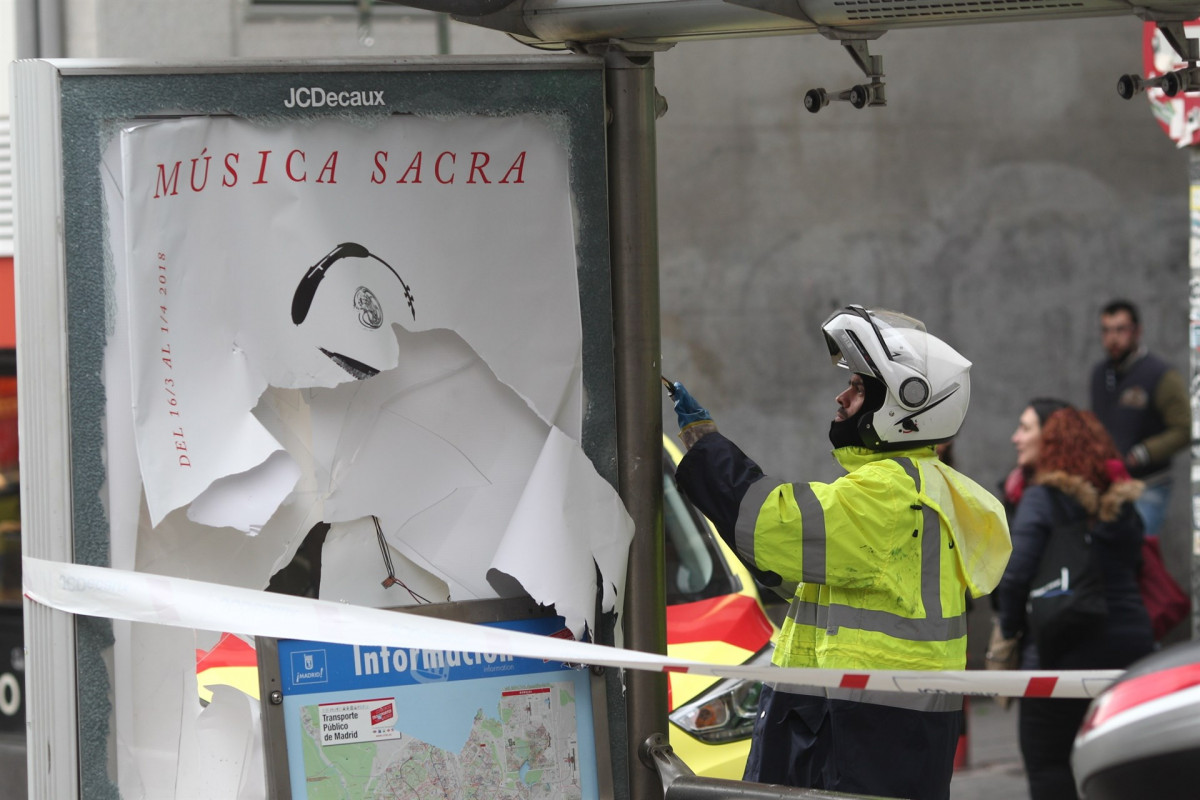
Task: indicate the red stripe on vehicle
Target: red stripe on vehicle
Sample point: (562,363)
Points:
(669,668)
(733,618)
(1040,687)
(854,681)
(1133,692)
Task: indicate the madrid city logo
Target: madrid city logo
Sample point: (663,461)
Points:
(309,666)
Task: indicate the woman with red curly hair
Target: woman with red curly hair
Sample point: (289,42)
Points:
(1073,471)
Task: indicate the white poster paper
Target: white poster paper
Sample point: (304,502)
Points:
(372,324)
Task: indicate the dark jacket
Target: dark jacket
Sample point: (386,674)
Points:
(1117,538)
(1143,404)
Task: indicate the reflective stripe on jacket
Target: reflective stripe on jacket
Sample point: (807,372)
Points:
(884,556)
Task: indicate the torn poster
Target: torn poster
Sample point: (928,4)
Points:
(370,325)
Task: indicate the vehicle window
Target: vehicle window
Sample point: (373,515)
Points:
(695,567)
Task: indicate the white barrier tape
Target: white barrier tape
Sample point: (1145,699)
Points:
(157,599)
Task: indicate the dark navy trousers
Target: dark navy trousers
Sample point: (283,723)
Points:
(816,742)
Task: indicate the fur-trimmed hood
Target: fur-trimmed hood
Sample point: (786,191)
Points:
(1105,507)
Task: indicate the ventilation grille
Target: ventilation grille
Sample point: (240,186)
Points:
(866,10)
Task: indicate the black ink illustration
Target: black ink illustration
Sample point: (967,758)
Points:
(364,301)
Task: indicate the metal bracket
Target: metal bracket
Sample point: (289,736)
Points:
(872,66)
(622,45)
(498,15)
(843,35)
(857,45)
(1173,32)
(1185,79)
(1175,15)
(656,752)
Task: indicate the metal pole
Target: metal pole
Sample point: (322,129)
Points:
(39,26)
(25,22)
(633,215)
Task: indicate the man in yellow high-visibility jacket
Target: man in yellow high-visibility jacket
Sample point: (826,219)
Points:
(882,561)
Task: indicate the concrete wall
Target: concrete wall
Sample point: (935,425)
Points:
(1002,196)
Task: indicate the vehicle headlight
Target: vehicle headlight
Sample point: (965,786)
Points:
(726,712)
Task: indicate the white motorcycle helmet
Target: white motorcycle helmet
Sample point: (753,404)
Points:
(928,382)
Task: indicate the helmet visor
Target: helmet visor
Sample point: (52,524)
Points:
(881,340)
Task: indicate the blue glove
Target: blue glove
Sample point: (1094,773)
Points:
(687,409)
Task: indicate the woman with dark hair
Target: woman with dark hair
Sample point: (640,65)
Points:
(1073,471)
(1032,420)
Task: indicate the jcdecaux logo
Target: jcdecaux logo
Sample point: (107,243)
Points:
(316,97)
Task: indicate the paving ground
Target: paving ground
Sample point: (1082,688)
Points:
(993,770)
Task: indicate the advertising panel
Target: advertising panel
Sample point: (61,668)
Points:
(337,330)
